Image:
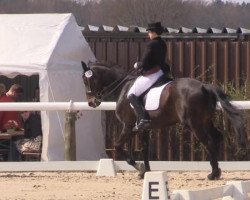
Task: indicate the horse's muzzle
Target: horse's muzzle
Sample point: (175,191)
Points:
(94,103)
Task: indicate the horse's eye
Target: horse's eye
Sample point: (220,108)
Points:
(98,94)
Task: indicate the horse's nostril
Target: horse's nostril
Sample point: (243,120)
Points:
(91,104)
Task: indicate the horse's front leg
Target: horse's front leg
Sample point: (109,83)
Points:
(130,159)
(143,168)
(126,136)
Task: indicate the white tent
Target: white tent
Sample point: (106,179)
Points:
(52,46)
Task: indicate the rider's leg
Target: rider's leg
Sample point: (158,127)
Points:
(143,118)
(141,84)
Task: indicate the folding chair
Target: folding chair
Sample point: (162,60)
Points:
(31,156)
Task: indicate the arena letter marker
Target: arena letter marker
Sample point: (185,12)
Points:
(155,186)
(106,168)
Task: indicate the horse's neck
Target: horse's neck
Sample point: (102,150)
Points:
(120,89)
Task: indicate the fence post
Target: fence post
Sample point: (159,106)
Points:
(70,136)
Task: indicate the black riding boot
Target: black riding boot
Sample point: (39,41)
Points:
(143,118)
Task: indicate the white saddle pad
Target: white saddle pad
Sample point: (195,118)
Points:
(153,97)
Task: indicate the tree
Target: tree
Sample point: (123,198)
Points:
(172,13)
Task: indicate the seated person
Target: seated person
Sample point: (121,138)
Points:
(11,119)
(32,140)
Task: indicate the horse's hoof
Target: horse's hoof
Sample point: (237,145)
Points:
(141,176)
(214,175)
(140,167)
(142,170)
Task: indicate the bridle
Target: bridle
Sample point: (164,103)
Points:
(90,92)
(107,91)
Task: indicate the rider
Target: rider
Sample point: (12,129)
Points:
(152,66)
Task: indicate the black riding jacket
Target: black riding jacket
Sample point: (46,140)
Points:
(155,55)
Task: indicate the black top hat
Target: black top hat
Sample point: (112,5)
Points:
(156,27)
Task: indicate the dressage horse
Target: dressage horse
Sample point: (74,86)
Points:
(186,101)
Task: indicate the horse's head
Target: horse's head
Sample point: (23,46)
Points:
(100,80)
(91,79)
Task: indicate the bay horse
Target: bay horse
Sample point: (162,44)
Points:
(186,101)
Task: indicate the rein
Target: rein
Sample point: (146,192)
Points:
(104,93)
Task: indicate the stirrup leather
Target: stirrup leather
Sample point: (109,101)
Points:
(142,125)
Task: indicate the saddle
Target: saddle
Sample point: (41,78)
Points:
(161,81)
(151,97)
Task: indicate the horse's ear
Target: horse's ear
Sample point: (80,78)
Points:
(84,66)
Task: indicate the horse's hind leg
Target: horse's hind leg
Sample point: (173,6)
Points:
(211,138)
(213,147)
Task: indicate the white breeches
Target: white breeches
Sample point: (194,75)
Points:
(142,83)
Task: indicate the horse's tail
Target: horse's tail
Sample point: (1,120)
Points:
(234,115)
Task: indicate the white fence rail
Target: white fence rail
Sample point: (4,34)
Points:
(54,106)
(73,106)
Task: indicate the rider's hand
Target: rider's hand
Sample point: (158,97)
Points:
(137,65)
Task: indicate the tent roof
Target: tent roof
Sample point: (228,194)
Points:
(52,46)
(41,42)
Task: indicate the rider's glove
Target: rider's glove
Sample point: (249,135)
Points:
(137,65)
